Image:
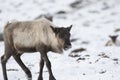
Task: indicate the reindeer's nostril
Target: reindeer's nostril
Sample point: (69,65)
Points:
(67,46)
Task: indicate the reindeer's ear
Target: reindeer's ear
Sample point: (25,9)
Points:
(52,28)
(69,28)
(55,30)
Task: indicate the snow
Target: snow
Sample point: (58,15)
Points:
(92,23)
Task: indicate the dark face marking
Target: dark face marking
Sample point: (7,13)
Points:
(64,34)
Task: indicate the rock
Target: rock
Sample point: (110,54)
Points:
(61,12)
(0,11)
(47,16)
(117,30)
(78,50)
(76,4)
(73,40)
(85,42)
(75,53)
(80,59)
(102,71)
(12,69)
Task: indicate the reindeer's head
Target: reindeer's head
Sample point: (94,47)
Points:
(114,38)
(63,34)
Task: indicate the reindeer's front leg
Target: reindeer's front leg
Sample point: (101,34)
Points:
(48,63)
(41,69)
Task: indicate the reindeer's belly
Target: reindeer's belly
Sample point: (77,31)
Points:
(25,49)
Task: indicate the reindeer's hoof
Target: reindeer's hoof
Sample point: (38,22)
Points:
(52,78)
(29,78)
(40,78)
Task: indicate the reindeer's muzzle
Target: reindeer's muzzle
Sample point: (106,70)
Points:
(67,46)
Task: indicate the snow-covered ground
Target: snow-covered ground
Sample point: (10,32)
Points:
(93,21)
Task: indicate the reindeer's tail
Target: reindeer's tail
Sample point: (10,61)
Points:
(1,37)
(1,34)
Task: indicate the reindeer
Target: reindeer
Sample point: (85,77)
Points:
(114,41)
(34,36)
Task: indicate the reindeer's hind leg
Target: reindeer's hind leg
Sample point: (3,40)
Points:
(4,59)
(26,70)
